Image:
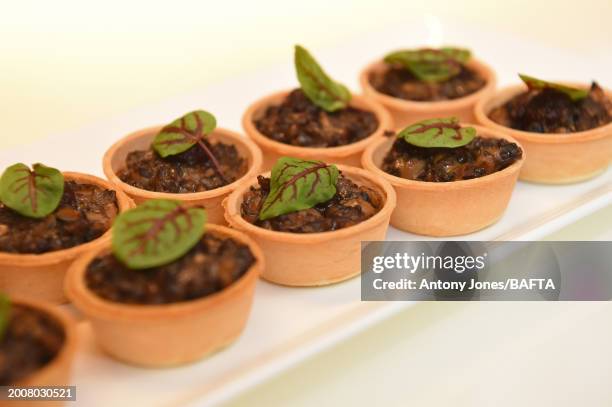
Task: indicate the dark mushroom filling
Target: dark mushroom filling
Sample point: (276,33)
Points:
(551,111)
(213,264)
(482,156)
(299,122)
(401,83)
(187,172)
(350,205)
(85,213)
(31,340)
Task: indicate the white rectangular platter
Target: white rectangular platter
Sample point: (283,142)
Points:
(288,325)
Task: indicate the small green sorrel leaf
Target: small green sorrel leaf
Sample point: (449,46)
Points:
(184,133)
(156,233)
(438,133)
(317,85)
(431,65)
(298,184)
(574,93)
(35,192)
(5,309)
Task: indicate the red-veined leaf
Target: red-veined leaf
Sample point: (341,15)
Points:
(35,192)
(444,132)
(156,233)
(298,184)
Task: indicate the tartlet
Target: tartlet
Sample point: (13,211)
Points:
(166,334)
(554,158)
(405,112)
(321,258)
(40,276)
(321,120)
(115,159)
(347,155)
(446,208)
(56,372)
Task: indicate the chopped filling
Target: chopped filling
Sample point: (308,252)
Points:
(299,122)
(551,111)
(350,205)
(482,156)
(187,172)
(85,212)
(400,83)
(213,264)
(31,340)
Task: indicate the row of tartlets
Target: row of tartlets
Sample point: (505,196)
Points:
(170,282)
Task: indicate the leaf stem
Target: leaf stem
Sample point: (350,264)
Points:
(198,138)
(212,158)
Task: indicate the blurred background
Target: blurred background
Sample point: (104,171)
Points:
(66,64)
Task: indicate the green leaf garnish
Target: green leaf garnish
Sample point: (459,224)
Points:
(317,85)
(574,94)
(5,309)
(184,133)
(298,184)
(156,233)
(438,133)
(431,65)
(35,192)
